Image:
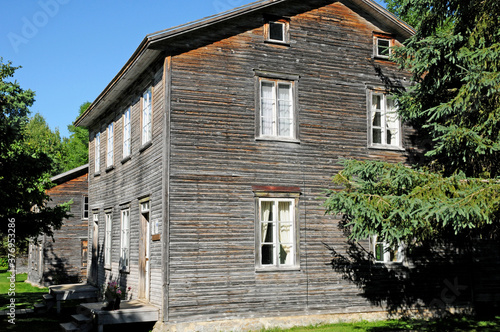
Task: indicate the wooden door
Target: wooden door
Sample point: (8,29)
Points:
(95,250)
(144,269)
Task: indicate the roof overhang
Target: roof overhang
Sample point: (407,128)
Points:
(71,174)
(156,43)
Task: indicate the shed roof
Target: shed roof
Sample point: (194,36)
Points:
(153,44)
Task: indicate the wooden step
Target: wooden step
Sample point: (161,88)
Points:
(40,307)
(69,327)
(48,298)
(81,319)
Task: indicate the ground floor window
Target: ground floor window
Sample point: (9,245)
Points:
(384,253)
(276,229)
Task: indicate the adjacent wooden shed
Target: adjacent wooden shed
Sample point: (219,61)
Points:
(210,148)
(63,258)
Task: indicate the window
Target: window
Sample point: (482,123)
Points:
(125,241)
(108,235)
(109,156)
(383,253)
(277,245)
(85,251)
(277,109)
(97,152)
(385,126)
(382,44)
(85,207)
(146,116)
(276,228)
(277,31)
(127,130)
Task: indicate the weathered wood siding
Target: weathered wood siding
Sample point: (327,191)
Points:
(215,160)
(128,181)
(60,259)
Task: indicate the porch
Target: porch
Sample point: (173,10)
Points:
(72,292)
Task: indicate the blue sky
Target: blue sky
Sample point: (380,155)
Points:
(71,49)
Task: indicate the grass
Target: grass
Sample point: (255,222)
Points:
(458,323)
(26,294)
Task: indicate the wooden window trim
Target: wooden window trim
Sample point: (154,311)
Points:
(97,153)
(377,36)
(284,22)
(127,131)
(110,146)
(126,233)
(108,237)
(277,194)
(144,139)
(277,78)
(381,146)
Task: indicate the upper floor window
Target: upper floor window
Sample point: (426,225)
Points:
(85,207)
(127,131)
(385,125)
(383,253)
(277,30)
(277,223)
(382,44)
(277,118)
(97,152)
(146,116)
(109,155)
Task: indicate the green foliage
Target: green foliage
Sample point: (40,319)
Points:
(403,204)
(454,58)
(39,138)
(24,173)
(78,144)
(399,8)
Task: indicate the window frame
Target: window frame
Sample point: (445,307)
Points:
(399,253)
(285,24)
(110,133)
(282,195)
(97,153)
(277,79)
(85,207)
(127,134)
(124,263)
(108,239)
(377,37)
(383,122)
(147,116)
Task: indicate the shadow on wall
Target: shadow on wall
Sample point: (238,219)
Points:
(59,270)
(439,278)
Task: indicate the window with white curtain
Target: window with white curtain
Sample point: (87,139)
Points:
(108,236)
(385,125)
(277,244)
(277,109)
(127,130)
(125,240)
(146,116)
(109,156)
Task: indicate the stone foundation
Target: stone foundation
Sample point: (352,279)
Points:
(257,324)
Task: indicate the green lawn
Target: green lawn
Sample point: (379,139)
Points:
(26,294)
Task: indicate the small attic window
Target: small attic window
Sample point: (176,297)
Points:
(382,45)
(276,31)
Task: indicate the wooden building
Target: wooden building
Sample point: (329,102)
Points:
(210,149)
(63,258)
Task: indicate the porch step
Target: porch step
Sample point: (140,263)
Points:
(81,319)
(69,327)
(50,301)
(40,308)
